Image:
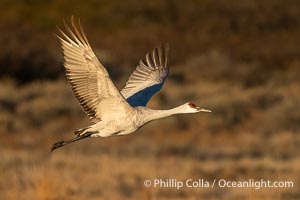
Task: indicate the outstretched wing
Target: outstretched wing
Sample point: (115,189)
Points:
(89,79)
(148,78)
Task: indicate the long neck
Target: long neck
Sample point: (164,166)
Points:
(158,114)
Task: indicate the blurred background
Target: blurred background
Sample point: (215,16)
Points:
(241,59)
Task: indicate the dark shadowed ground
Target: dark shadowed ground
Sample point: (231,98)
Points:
(241,59)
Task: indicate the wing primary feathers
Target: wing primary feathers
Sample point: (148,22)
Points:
(67,37)
(149,61)
(79,35)
(148,77)
(83,34)
(166,56)
(155,57)
(72,34)
(88,78)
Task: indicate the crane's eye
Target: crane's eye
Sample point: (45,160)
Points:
(192,105)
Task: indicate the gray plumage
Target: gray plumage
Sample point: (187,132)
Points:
(113,112)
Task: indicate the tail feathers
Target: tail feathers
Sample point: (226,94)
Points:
(63,143)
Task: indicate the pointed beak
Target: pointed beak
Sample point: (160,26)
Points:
(203,110)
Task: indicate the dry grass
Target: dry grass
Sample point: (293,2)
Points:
(252,133)
(263,33)
(76,175)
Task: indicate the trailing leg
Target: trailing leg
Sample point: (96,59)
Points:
(63,143)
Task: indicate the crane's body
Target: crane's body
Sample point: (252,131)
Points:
(114,112)
(128,120)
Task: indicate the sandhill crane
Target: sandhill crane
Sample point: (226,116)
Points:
(113,112)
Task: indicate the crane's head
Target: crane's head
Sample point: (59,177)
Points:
(192,108)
